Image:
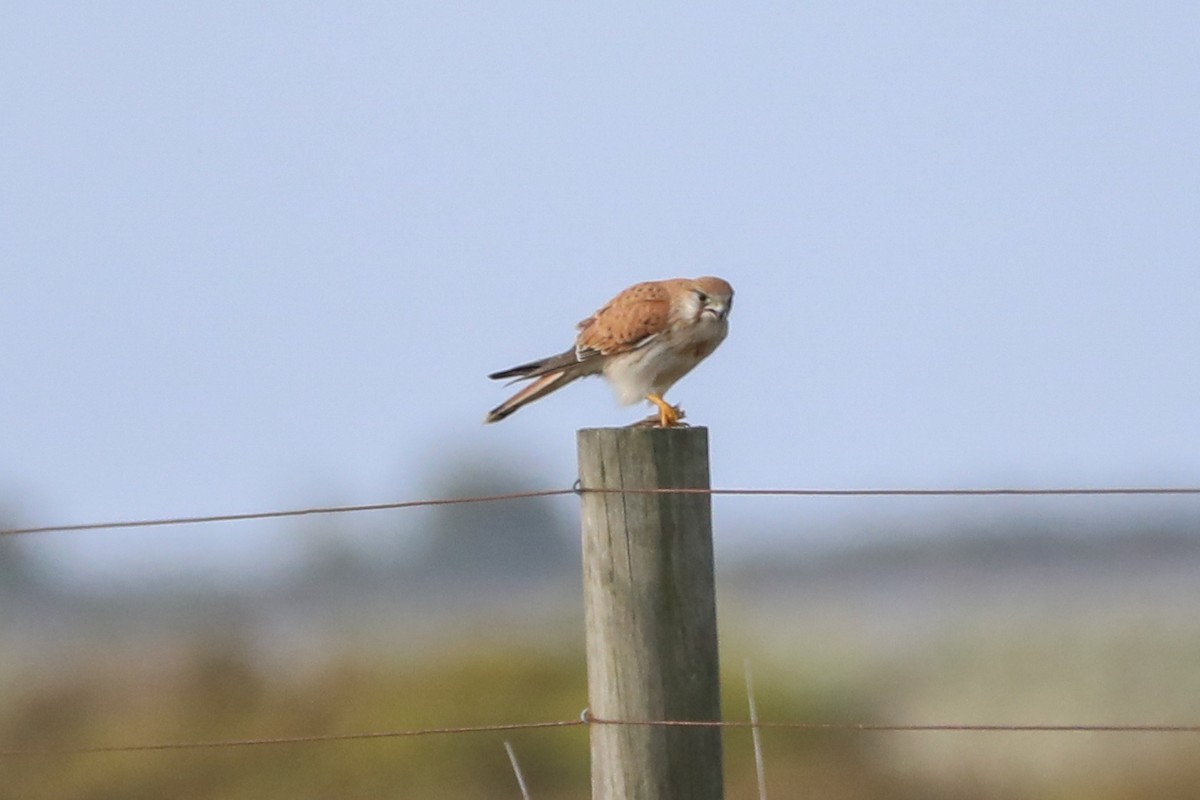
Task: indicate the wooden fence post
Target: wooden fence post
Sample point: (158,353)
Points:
(651,614)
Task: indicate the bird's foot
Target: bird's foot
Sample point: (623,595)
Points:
(654,421)
(668,416)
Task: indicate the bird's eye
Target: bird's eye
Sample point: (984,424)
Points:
(703,297)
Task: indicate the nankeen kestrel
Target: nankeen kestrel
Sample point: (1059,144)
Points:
(646,338)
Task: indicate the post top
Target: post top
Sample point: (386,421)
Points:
(644,457)
(652,430)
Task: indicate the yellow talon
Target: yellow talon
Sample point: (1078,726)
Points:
(668,415)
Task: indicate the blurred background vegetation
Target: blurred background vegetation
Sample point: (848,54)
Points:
(476,618)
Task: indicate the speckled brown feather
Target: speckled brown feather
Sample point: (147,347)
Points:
(637,313)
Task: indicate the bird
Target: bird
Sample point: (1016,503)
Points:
(642,341)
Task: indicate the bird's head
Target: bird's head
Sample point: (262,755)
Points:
(710,298)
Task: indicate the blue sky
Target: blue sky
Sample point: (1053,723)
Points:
(262,256)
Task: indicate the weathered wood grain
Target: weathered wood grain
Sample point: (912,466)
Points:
(651,613)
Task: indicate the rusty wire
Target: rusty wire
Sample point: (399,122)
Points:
(577,490)
(587,719)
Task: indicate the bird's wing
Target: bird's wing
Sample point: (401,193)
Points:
(629,321)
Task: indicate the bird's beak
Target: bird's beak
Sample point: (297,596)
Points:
(718,310)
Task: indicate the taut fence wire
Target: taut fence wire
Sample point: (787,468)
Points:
(578,490)
(587,719)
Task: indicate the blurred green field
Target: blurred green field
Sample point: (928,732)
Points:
(216,692)
(216,689)
(1020,628)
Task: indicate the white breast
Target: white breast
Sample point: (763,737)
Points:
(661,362)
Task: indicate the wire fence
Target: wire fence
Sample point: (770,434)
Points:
(586,719)
(578,490)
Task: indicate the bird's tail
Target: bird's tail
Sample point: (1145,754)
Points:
(544,385)
(548,375)
(540,367)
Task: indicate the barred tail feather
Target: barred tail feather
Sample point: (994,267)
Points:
(540,367)
(541,387)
